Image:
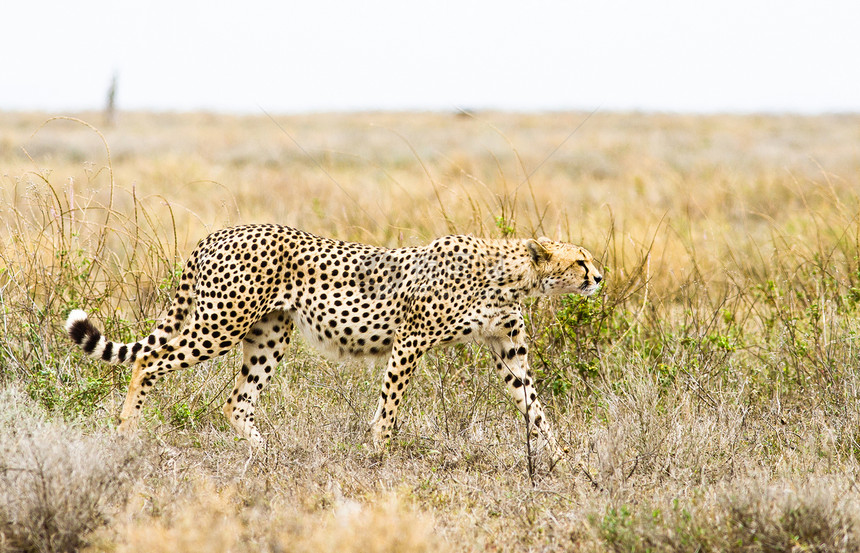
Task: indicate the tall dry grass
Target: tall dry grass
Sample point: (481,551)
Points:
(710,391)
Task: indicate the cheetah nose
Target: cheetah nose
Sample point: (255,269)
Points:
(597,279)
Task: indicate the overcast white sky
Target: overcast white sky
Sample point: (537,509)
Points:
(677,55)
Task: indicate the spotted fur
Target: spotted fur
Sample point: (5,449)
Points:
(255,284)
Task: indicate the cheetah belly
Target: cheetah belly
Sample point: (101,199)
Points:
(354,313)
(352,324)
(340,347)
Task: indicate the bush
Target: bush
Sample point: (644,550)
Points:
(750,516)
(57,484)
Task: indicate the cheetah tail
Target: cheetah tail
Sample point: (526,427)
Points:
(84,333)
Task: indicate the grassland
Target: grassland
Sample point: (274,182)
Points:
(710,390)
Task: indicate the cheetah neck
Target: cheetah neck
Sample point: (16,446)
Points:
(516,274)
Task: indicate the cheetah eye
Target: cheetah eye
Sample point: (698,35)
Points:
(581,263)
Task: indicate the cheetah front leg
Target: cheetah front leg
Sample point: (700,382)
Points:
(511,356)
(401,365)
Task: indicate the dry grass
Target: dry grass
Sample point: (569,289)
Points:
(212,520)
(710,391)
(57,484)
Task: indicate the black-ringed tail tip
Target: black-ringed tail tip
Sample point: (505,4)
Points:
(82,331)
(85,334)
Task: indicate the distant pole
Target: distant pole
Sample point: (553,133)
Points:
(110,105)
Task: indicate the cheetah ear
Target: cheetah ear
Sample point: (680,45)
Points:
(537,251)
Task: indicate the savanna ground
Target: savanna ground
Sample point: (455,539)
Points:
(710,389)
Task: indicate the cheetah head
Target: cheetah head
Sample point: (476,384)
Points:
(563,268)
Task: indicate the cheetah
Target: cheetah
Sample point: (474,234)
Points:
(255,284)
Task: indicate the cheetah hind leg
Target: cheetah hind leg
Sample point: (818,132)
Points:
(262,349)
(128,418)
(179,352)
